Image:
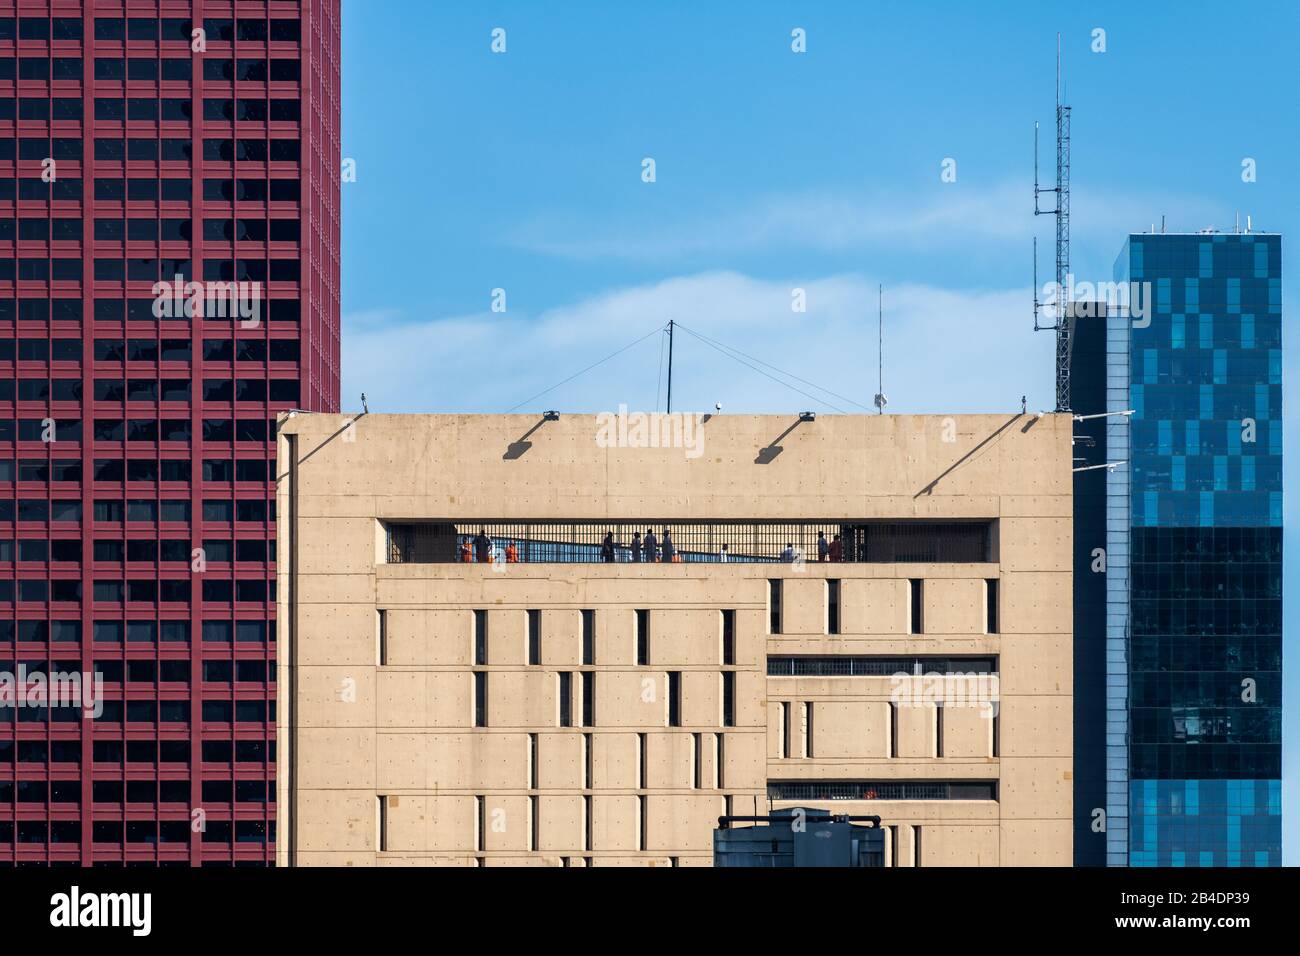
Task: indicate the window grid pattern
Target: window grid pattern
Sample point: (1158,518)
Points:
(131,436)
(1206,561)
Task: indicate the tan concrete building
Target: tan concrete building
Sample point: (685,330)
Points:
(551,707)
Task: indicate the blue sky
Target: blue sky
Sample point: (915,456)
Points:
(774,171)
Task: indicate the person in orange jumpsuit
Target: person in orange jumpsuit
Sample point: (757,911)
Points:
(465,554)
(512,553)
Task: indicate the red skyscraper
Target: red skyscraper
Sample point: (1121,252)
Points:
(141,140)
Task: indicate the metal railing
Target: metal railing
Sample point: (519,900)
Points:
(881,790)
(877,666)
(592,542)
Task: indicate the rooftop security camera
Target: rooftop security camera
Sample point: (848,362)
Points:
(717,406)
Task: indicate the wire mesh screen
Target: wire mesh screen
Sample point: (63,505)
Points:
(915,541)
(657,540)
(842,666)
(881,790)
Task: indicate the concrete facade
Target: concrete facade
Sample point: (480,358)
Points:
(372,752)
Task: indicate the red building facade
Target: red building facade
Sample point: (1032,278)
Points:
(141,140)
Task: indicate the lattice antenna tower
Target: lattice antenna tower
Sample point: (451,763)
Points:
(1061,321)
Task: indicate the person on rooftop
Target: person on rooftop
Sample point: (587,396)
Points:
(482,546)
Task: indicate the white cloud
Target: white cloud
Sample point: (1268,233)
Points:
(944,215)
(945,350)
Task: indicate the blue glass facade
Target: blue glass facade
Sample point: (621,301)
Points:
(1205,505)
(1205,822)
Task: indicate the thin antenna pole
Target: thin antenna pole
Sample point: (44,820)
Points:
(1035,168)
(1058,70)
(1035,287)
(881,401)
(670,365)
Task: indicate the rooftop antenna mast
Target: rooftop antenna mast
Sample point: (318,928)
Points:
(880,400)
(670,365)
(1061,323)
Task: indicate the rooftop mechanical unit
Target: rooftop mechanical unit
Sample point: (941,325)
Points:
(799,837)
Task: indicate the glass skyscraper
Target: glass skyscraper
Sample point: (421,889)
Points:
(1193,538)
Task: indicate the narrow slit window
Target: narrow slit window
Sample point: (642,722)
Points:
(589,698)
(938,729)
(785,729)
(917,603)
(832,606)
(720,760)
(728,698)
(808,729)
(892,734)
(728,637)
(643,637)
(534,821)
(480,823)
(774,605)
(588,637)
(587,827)
(674,698)
(480,698)
(991,606)
(480,638)
(565,693)
(643,759)
(534,637)
(383,638)
(643,819)
(381,811)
